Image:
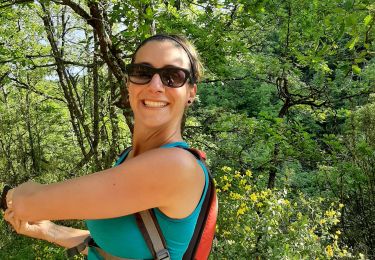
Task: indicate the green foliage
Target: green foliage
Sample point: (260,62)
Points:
(18,247)
(274,224)
(287,93)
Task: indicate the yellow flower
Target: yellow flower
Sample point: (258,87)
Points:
(259,204)
(341,205)
(226,169)
(226,233)
(235,196)
(240,211)
(322,221)
(242,182)
(247,187)
(243,208)
(226,186)
(329,251)
(299,215)
(330,213)
(253,197)
(249,173)
(338,232)
(247,228)
(237,174)
(264,193)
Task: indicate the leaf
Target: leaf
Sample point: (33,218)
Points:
(360,60)
(149,13)
(352,43)
(368,19)
(356,69)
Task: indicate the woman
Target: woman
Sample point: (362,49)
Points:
(156,174)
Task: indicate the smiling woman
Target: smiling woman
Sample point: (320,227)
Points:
(157,173)
(160,81)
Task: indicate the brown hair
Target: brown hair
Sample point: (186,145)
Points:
(180,41)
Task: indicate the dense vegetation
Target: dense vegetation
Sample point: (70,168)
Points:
(286,112)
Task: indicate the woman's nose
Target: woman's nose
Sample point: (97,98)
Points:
(156,84)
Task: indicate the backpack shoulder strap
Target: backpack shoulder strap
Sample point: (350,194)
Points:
(152,234)
(205,210)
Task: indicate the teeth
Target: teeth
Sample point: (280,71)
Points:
(155,104)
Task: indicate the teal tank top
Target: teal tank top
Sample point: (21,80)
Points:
(121,237)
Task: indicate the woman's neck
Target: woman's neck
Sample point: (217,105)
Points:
(146,139)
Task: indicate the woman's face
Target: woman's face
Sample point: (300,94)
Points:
(154,104)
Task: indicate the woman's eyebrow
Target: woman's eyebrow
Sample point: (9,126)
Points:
(165,66)
(145,63)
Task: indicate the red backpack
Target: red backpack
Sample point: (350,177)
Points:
(201,242)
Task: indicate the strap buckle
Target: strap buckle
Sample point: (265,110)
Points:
(163,254)
(73,251)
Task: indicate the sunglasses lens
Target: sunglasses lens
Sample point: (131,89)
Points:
(139,74)
(173,77)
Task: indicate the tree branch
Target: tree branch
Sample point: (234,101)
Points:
(76,8)
(28,87)
(238,79)
(14,3)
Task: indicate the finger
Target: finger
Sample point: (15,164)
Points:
(17,225)
(9,198)
(8,215)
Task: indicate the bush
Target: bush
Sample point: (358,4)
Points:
(274,224)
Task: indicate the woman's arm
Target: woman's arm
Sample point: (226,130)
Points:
(46,230)
(170,179)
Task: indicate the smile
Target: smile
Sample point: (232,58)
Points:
(156,104)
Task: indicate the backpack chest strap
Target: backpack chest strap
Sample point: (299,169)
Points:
(89,242)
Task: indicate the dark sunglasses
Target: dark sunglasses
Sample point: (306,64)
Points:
(172,77)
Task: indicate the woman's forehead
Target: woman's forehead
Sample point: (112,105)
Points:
(162,53)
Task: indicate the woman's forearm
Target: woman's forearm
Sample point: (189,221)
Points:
(47,230)
(65,236)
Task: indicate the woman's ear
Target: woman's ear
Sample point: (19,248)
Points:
(192,93)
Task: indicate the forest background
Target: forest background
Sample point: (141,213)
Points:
(286,112)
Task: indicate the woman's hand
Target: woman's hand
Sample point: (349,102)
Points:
(24,189)
(15,197)
(37,229)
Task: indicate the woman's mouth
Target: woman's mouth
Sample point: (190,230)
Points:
(155,104)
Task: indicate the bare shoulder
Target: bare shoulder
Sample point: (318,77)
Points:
(179,174)
(168,160)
